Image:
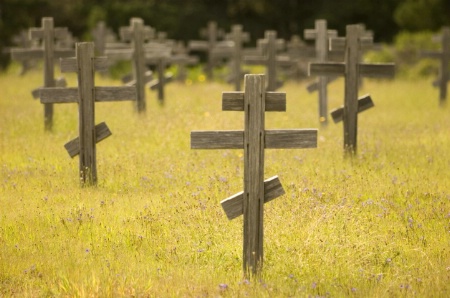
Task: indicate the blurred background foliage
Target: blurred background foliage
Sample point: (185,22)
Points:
(390,20)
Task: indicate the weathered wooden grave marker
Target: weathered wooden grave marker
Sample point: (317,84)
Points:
(270,45)
(254,101)
(212,34)
(181,58)
(48,34)
(321,35)
(352,69)
(137,33)
(85,64)
(102,35)
(444,58)
(233,50)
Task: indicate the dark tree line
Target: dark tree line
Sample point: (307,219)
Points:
(182,19)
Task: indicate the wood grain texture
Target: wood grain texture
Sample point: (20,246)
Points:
(234,205)
(115,93)
(326,69)
(364,103)
(377,70)
(88,164)
(254,86)
(234,101)
(226,139)
(59,95)
(293,138)
(101,132)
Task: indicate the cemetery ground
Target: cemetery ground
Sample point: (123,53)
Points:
(376,225)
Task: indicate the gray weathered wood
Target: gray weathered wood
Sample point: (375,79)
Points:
(101,132)
(444,59)
(270,45)
(234,101)
(352,69)
(48,34)
(60,82)
(70,64)
(364,103)
(321,35)
(226,139)
(254,139)
(212,34)
(233,206)
(294,138)
(85,95)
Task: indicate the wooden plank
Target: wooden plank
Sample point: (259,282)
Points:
(234,205)
(70,64)
(63,53)
(326,69)
(364,103)
(88,162)
(115,93)
(119,54)
(377,70)
(253,210)
(198,45)
(25,54)
(234,101)
(60,82)
(101,132)
(290,138)
(59,95)
(222,139)
(339,43)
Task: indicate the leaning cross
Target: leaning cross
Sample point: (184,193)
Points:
(321,35)
(444,57)
(48,34)
(85,64)
(254,101)
(270,45)
(352,69)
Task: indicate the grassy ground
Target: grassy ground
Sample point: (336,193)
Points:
(375,226)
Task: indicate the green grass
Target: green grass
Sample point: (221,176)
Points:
(377,225)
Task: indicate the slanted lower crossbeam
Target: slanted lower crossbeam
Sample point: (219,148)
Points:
(254,101)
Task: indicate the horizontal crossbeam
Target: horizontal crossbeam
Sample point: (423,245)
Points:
(274,139)
(70,95)
(339,43)
(71,64)
(234,205)
(57,32)
(101,132)
(234,101)
(326,69)
(364,103)
(377,70)
(60,82)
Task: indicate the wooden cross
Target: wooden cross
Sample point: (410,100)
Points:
(137,33)
(48,34)
(300,54)
(23,40)
(212,34)
(181,58)
(102,35)
(321,36)
(270,45)
(444,57)
(352,69)
(86,94)
(160,59)
(254,101)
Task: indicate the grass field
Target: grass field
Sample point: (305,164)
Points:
(377,225)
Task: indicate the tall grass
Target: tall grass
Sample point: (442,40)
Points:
(376,226)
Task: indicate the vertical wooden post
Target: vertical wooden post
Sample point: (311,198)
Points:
(271,37)
(351,89)
(88,167)
(137,27)
(237,38)
(49,76)
(254,101)
(444,73)
(161,65)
